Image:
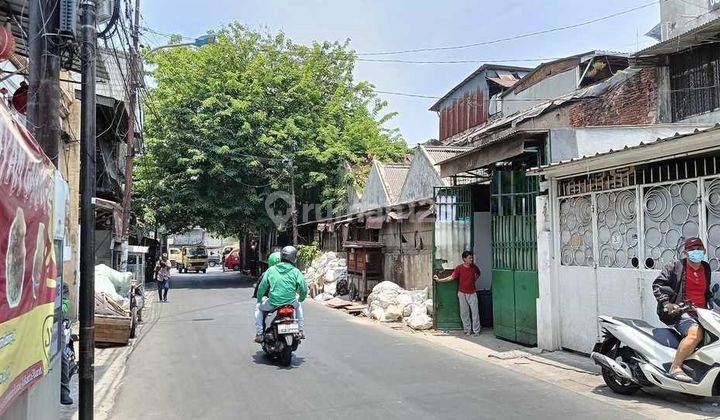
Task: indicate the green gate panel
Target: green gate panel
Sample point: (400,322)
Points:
(447,307)
(526,293)
(503,294)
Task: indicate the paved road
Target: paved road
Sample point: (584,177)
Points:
(196,361)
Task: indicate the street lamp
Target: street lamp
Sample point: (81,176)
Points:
(197,42)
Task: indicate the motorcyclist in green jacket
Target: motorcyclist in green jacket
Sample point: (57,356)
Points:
(285,285)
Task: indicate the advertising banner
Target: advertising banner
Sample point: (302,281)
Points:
(27,266)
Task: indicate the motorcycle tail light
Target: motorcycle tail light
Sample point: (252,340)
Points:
(285,311)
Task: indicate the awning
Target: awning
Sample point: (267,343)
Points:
(398,215)
(375,222)
(482,156)
(423,214)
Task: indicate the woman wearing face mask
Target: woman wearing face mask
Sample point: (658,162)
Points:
(689,280)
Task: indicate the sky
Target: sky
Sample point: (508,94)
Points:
(381,26)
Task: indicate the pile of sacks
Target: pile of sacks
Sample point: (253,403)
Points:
(389,302)
(112,289)
(327,276)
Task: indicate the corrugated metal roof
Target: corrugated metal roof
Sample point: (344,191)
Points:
(585,158)
(579,57)
(539,109)
(484,67)
(709,32)
(394,175)
(440,153)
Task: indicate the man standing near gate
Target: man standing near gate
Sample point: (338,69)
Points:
(466,274)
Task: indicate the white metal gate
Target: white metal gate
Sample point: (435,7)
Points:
(609,257)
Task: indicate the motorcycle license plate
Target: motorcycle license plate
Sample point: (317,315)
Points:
(288,328)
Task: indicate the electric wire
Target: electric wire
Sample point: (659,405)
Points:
(514,37)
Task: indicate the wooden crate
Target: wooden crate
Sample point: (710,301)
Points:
(112,329)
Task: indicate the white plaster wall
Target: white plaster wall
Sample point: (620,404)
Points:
(548,319)
(550,88)
(593,140)
(680,16)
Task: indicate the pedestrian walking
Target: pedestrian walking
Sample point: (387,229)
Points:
(162,277)
(467,274)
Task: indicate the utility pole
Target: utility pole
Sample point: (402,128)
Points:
(88,46)
(132,105)
(293,210)
(43,117)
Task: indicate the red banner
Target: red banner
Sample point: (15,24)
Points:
(27,266)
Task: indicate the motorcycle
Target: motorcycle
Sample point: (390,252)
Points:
(282,334)
(635,354)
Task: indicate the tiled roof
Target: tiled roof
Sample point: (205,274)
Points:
(394,175)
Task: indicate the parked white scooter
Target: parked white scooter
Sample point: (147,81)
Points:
(634,354)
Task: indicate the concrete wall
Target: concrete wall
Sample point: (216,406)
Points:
(548,307)
(680,16)
(70,170)
(421,178)
(567,143)
(408,263)
(374,195)
(549,88)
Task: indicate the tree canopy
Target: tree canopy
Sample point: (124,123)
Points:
(225,122)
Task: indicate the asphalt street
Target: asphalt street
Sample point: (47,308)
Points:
(196,360)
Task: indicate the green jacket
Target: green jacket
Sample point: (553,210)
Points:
(283,281)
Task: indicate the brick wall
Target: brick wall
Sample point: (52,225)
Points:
(633,102)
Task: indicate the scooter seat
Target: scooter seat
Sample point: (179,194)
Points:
(668,337)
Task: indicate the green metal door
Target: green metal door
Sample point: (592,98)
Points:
(451,236)
(514,247)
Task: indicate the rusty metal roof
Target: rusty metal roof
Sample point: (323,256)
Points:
(484,67)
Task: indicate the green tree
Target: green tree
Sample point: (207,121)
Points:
(225,121)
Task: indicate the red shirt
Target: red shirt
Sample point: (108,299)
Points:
(695,286)
(466,275)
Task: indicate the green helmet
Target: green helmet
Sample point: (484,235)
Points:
(273,259)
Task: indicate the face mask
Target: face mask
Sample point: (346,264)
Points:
(696,255)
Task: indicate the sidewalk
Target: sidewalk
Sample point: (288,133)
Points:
(110,368)
(571,371)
